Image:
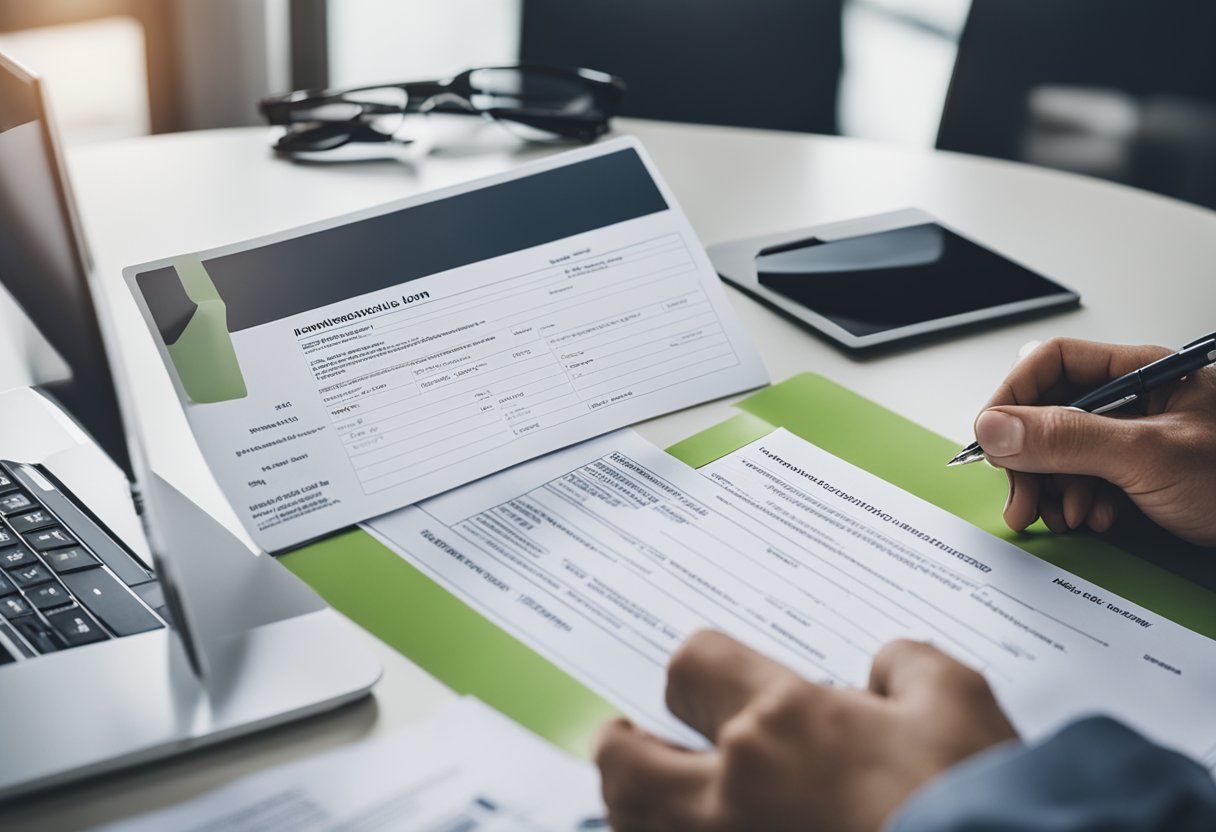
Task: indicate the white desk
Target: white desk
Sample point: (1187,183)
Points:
(1142,263)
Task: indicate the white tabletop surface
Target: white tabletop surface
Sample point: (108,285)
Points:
(1143,265)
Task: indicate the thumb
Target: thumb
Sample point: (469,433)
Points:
(1061,440)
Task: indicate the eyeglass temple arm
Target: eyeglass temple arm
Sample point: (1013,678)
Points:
(417,92)
(278,110)
(583,128)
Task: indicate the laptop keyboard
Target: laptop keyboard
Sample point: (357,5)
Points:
(64,581)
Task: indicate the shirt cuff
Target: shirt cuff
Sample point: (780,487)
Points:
(1095,774)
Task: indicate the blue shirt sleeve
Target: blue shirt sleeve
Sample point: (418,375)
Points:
(1095,774)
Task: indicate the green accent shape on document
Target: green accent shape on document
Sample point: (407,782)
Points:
(204,356)
(723,438)
(366,581)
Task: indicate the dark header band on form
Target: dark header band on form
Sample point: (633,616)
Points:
(281,279)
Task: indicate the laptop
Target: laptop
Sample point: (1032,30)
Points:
(132,624)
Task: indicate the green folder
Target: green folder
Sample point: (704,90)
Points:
(370,584)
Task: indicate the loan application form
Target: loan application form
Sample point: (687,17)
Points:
(335,372)
(606,556)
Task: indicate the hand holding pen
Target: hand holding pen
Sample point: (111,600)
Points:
(1073,467)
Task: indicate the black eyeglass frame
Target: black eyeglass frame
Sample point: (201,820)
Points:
(455,96)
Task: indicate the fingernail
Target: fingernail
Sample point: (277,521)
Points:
(999,433)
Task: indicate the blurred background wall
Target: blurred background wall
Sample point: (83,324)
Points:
(210,59)
(1120,89)
(119,68)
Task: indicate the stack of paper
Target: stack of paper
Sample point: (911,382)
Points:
(467,768)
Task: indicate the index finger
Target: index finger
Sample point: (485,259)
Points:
(904,668)
(712,677)
(1069,361)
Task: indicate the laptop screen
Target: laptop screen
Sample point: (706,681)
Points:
(44,265)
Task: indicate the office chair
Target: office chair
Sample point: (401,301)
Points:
(1121,89)
(753,63)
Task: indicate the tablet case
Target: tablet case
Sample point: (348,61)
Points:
(735,263)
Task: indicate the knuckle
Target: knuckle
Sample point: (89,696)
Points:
(834,722)
(897,650)
(1056,347)
(684,666)
(958,681)
(748,764)
(743,742)
(931,664)
(969,683)
(779,710)
(940,663)
(901,652)
(699,647)
(1005,394)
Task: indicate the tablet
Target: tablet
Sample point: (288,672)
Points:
(898,280)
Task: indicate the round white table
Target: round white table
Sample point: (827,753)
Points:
(1142,264)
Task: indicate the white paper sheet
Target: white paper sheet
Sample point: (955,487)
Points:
(327,413)
(605,556)
(466,769)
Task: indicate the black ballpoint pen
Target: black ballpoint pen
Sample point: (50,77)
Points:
(1128,388)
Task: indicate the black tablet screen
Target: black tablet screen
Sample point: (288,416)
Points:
(874,282)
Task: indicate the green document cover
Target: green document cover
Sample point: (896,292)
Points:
(374,587)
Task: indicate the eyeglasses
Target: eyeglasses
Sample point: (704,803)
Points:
(574,104)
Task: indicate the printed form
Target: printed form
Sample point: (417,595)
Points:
(332,374)
(606,556)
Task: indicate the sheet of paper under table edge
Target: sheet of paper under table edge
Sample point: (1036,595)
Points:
(371,585)
(463,766)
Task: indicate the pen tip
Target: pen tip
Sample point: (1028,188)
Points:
(966,457)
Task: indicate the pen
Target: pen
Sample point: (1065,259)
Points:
(1128,388)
